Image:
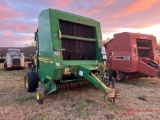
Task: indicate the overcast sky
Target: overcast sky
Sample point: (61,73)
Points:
(18,18)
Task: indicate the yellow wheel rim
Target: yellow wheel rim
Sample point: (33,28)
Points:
(37,95)
(26,82)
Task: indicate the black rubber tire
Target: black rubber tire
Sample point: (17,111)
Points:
(5,67)
(121,75)
(31,81)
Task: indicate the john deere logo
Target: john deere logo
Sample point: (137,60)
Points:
(47,60)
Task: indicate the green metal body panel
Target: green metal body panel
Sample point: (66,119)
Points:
(86,74)
(50,67)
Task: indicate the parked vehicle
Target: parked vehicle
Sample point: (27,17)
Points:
(68,55)
(14,59)
(132,55)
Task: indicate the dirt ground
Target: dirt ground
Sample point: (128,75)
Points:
(139,99)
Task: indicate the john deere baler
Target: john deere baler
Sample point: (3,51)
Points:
(68,54)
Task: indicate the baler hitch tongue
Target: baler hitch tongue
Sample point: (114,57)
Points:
(109,92)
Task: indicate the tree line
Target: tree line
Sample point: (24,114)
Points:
(26,50)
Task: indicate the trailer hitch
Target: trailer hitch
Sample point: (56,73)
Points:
(109,92)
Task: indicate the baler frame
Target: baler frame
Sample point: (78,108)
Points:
(132,55)
(68,51)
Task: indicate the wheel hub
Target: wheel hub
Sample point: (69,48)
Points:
(37,95)
(26,82)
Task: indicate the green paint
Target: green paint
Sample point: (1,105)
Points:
(50,68)
(86,74)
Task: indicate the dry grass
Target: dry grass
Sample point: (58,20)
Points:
(139,99)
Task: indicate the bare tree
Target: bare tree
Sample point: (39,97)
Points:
(106,40)
(33,43)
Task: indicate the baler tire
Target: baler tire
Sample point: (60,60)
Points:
(5,67)
(121,75)
(40,95)
(31,81)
